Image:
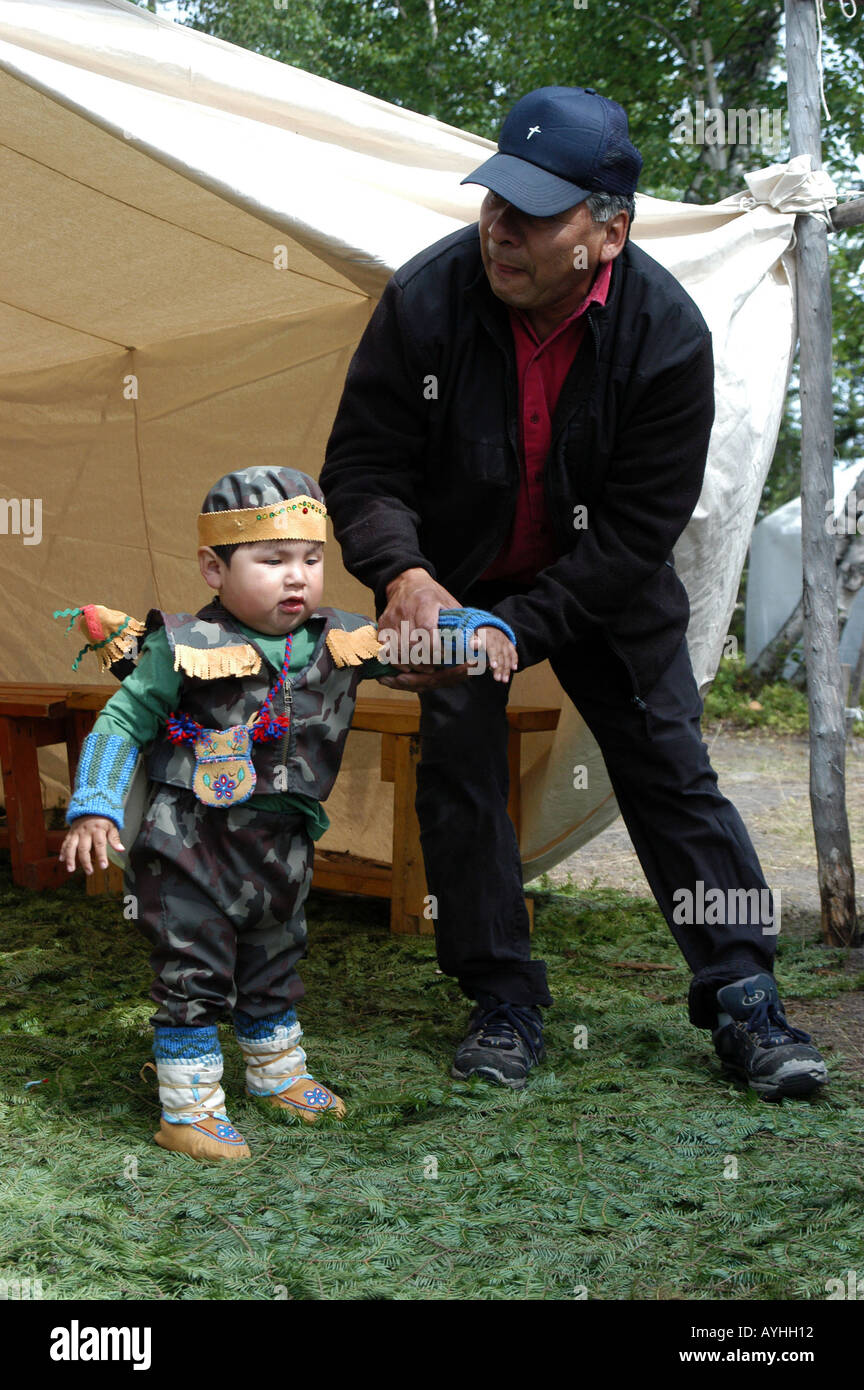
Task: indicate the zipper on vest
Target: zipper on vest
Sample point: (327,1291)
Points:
(287,709)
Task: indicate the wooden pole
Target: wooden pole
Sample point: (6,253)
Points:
(824,683)
(849,214)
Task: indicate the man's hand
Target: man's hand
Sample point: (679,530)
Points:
(442,675)
(86,833)
(415,598)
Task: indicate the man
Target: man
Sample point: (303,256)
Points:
(524,428)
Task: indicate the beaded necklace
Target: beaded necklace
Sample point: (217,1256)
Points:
(182,728)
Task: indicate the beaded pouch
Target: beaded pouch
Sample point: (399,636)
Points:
(224,774)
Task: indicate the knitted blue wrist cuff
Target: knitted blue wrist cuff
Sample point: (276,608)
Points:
(467,619)
(102,777)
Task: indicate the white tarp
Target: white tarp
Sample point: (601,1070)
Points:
(774,577)
(193,238)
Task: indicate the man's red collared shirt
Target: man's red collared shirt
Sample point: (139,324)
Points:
(541,369)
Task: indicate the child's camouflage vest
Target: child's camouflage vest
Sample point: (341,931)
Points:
(319,700)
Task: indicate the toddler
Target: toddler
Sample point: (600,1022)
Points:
(242,711)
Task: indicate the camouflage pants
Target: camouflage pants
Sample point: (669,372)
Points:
(220,897)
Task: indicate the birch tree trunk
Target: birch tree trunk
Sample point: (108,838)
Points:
(824,685)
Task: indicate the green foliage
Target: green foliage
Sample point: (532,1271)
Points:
(606,1172)
(479,56)
(737,698)
(467,61)
(735,690)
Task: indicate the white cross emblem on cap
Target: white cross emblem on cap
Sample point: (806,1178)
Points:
(533,130)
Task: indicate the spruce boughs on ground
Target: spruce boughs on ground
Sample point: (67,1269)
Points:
(609,1177)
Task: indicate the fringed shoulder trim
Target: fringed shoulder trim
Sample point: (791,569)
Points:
(353,648)
(209,663)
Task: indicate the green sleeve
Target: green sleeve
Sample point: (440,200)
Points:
(374,668)
(146,697)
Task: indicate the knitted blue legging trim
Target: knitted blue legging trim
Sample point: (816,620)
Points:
(257,1029)
(186,1044)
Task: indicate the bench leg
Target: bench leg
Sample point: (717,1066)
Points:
(101,881)
(78,723)
(32,866)
(400,755)
(409,890)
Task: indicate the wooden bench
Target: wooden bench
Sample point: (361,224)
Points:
(32,717)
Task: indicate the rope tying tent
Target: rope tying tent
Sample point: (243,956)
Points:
(848,13)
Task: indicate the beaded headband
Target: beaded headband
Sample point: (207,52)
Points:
(299,519)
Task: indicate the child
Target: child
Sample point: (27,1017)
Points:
(223,862)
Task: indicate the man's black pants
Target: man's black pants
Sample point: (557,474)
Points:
(683,829)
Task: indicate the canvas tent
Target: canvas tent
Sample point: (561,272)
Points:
(774,578)
(193,239)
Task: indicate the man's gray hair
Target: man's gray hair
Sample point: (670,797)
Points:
(604,206)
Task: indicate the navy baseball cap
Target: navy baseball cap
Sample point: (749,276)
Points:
(557,146)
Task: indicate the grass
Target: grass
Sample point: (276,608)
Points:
(606,1174)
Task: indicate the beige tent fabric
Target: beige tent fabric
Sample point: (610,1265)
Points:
(194,237)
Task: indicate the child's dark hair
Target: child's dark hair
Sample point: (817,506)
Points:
(225,552)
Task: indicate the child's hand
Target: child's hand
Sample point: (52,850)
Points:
(86,833)
(501,655)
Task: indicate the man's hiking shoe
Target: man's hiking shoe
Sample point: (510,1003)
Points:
(754,1041)
(503,1043)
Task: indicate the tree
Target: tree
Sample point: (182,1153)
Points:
(467,61)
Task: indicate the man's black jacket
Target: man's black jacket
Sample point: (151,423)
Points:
(422,466)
